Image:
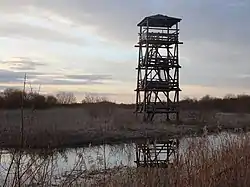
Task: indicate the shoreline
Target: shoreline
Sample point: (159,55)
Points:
(116,140)
(79,127)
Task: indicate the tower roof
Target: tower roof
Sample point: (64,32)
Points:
(159,21)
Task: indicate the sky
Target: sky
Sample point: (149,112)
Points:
(87,46)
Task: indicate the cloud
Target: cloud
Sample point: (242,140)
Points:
(22,30)
(22,63)
(2,88)
(215,34)
(239,3)
(17,77)
(89,77)
(215,64)
(82,13)
(7,76)
(118,19)
(213,20)
(69,82)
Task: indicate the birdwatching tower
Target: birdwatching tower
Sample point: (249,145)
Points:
(158,88)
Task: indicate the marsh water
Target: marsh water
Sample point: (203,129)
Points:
(92,158)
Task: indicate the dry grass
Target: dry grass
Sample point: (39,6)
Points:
(224,162)
(72,127)
(225,166)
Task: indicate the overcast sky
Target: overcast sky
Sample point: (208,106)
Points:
(87,46)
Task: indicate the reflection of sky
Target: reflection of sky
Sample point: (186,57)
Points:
(117,155)
(92,158)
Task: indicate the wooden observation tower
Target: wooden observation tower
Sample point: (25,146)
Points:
(158,88)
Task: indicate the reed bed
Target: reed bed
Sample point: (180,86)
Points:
(224,165)
(210,161)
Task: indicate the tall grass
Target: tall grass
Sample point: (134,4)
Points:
(224,165)
(224,161)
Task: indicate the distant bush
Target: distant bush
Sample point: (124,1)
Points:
(230,103)
(14,99)
(51,100)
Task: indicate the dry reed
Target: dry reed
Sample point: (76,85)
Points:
(224,165)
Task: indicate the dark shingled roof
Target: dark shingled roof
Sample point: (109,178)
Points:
(159,21)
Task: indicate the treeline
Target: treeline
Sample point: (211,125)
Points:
(15,99)
(230,103)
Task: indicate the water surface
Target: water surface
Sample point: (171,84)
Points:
(63,163)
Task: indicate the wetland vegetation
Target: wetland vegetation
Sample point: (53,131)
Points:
(92,143)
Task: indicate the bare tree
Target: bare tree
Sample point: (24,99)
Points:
(66,97)
(89,98)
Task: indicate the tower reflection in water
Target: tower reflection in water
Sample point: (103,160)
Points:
(156,154)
